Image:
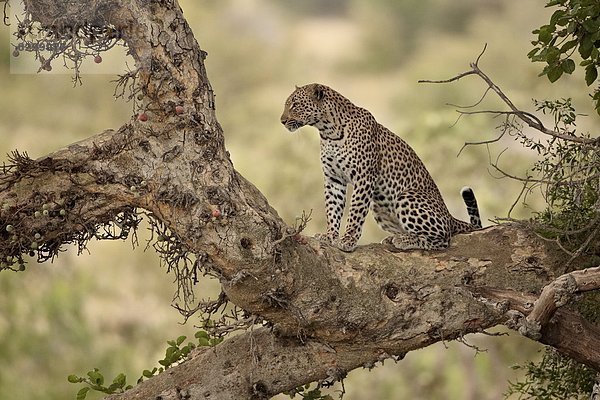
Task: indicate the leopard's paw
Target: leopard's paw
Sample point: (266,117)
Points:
(347,244)
(324,238)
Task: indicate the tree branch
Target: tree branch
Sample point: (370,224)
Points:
(330,311)
(531,120)
(341,312)
(557,294)
(567,332)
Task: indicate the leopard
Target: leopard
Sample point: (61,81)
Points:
(385,173)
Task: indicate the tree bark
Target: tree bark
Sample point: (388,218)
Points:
(329,312)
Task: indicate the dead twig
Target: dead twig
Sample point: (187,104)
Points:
(527,117)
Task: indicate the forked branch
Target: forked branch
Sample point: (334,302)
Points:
(555,295)
(528,118)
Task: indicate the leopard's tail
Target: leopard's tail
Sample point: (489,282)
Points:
(473,211)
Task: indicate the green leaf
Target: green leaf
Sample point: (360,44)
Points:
(532,53)
(201,334)
(552,55)
(120,380)
(554,74)
(171,343)
(74,379)
(82,393)
(591,25)
(113,388)
(170,352)
(203,342)
(568,46)
(568,66)
(180,339)
(557,16)
(591,73)
(545,33)
(96,377)
(148,374)
(585,47)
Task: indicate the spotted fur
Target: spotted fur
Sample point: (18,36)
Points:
(386,174)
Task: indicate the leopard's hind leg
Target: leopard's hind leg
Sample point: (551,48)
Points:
(417,220)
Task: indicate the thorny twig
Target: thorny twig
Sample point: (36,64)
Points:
(6,19)
(298,227)
(461,339)
(208,308)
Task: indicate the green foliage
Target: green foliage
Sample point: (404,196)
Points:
(554,378)
(569,168)
(567,172)
(574,26)
(94,380)
(174,354)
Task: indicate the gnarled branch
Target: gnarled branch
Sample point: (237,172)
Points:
(329,311)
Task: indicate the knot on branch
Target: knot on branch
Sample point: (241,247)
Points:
(565,287)
(259,391)
(391,290)
(514,319)
(531,329)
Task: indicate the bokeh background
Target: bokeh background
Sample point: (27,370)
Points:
(110,308)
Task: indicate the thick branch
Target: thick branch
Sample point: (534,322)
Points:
(330,311)
(567,331)
(557,294)
(348,311)
(252,365)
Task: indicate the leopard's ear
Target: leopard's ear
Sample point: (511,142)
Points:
(297,87)
(318,92)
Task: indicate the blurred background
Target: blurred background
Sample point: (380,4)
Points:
(111,308)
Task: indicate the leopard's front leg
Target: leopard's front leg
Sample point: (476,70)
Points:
(360,201)
(335,200)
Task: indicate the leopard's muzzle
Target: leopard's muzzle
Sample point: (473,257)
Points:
(291,124)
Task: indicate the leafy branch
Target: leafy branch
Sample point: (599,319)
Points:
(175,353)
(575,25)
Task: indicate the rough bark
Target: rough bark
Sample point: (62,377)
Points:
(354,310)
(330,311)
(557,294)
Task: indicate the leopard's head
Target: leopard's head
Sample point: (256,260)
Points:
(305,106)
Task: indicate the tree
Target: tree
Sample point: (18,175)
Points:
(323,313)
